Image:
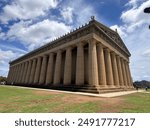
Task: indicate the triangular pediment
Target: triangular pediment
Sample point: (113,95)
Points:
(113,36)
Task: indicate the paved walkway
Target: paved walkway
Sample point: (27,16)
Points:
(107,95)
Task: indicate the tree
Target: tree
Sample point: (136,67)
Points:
(3,80)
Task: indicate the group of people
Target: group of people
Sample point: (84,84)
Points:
(137,87)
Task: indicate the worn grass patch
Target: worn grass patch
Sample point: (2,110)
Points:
(13,99)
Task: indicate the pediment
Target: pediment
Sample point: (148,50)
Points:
(113,36)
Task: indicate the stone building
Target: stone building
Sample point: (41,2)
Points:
(92,58)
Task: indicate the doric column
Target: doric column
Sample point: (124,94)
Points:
(108,64)
(28,72)
(68,66)
(9,75)
(12,75)
(43,70)
(127,73)
(124,73)
(16,74)
(114,69)
(80,64)
(131,82)
(101,65)
(49,75)
(25,72)
(37,71)
(31,80)
(93,66)
(57,73)
(120,73)
(20,73)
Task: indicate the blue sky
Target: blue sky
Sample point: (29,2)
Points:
(29,24)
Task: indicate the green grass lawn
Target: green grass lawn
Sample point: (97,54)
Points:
(13,99)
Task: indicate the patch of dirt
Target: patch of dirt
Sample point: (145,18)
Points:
(2,105)
(107,105)
(79,98)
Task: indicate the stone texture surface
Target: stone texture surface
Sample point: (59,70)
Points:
(86,60)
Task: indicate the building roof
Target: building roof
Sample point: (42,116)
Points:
(113,36)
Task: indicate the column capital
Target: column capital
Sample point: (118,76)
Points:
(68,48)
(92,40)
(80,43)
(113,53)
(107,49)
(100,45)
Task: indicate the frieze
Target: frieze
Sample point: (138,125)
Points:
(73,35)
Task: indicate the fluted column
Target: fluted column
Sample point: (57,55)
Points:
(101,66)
(8,76)
(124,73)
(28,72)
(127,73)
(49,75)
(12,73)
(114,69)
(43,70)
(131,82)
(31,80)
(20,72)
(57,73)
(108,64)
(120,73)
(80,64)
(16,74)
(93,66)
(25,72)
(37,71)
(68,66)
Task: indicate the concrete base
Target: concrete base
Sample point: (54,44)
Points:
(80,88)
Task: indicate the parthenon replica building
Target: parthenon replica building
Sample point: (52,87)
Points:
(92,58)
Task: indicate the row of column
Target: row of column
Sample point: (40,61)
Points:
(105,68)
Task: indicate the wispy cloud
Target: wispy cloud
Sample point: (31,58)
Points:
(135,33)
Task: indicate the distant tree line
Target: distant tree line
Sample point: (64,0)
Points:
(3,80)
(142,84)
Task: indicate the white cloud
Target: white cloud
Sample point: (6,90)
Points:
(80,10)
(135,34)
(37,34)
(120,30)
(26,9)
(147,53)
(5,57)
(67,14)
(12,48)
(135,16)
